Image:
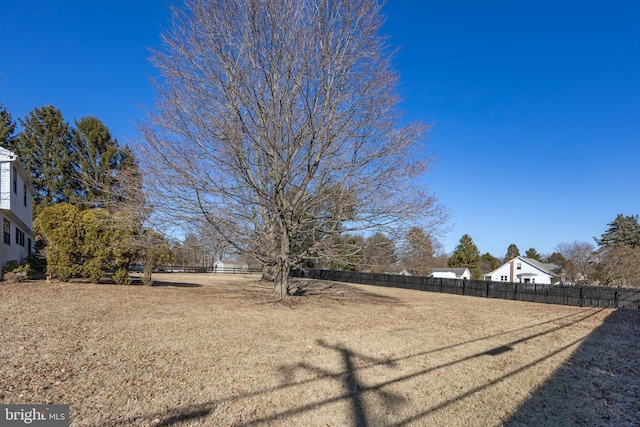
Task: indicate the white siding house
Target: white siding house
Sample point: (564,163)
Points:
(16,205)
(523,270)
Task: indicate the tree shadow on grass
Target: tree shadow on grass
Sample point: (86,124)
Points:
(175,284)
(598,385)
(591,362)
(171,417)
(323,291)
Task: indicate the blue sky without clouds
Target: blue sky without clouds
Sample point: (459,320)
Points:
(535,105)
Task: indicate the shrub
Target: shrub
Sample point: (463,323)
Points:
(14,277)
(61,227)
(10,266)
(37,262)
(17,272)
(121,276)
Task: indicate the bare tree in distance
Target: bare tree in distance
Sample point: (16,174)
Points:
(278,122)
(579,264)
(421,252)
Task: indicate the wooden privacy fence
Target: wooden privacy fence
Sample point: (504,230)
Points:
(582,296)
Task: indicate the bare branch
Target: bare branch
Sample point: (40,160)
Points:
(278,122)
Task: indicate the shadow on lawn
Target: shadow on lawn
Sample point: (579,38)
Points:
(324,291)
(598,385)
(175,284)
(591,362)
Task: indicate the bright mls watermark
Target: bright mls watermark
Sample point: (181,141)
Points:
(34,415)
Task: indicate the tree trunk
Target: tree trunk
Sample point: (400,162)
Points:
(281,278)
(146,275)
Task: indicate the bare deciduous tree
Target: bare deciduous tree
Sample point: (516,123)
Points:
(420,252)
(578,267)
(278,122)
(619,266)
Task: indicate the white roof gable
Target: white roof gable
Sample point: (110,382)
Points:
(504,268)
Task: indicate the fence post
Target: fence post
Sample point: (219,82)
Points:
(615,299)
(464,286)
(441,285)
(515,293)
(487,290)
(581,296)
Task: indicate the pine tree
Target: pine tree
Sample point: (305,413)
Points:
(512,252)
(7,128)
(619,252)
(533,254)
(44,148)
(623,231)
(466,254)
(488,263)
(97,156)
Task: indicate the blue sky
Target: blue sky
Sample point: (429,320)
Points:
(535,105)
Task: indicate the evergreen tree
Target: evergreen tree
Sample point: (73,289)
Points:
(623,231)
(466,254)
(85,243)
(619,253)
(97,245)
(44,148)
(512,252)
(97,157)
(557,258)
(488,263)
(7,128)
(344,252)
(533,254)
(60,226)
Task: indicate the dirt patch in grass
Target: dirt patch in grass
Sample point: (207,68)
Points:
(217,350)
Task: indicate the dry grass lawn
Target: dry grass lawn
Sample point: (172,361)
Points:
(217,351)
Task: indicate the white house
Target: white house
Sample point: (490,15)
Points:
(523,270)
(451,273)
(230,267)
(16,198)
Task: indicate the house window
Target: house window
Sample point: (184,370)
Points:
(519,266)
(503,278)
(24,194)
(6,226)
(19,237)
(15,180)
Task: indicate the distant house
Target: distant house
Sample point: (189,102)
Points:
(16,198)
(523,270)
(451,273)
(230,267)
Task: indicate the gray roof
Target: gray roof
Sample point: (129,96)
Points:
(549,267)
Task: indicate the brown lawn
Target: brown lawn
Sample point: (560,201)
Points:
(217,351)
